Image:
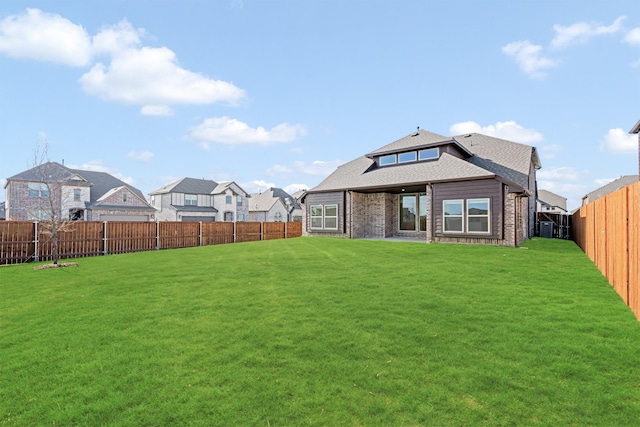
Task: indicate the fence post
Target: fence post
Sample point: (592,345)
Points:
(35,241)
(200,235)
(157,235)
(234,232)
(262,231)
(104,238)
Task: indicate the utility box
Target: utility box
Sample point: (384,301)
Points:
(546,229)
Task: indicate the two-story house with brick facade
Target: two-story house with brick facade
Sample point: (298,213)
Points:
(73,194)
(195,200)
(464,189)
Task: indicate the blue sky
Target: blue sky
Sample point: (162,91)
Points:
(279,93)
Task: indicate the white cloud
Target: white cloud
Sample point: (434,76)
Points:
(582,32)
(156,110)
(563,173)
(317,167)
(152,77)
(550,151)
(529,57)
(225,130)
(509,130)
(141,156)
(620,142)
(115,39)
(633,37)
(132,73)
(45,37)
(566,182)
(278,170)
(292,188)
(256,186)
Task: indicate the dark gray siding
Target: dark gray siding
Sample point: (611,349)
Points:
(479,189)
(332,198)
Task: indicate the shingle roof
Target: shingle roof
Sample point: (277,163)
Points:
(552,199)
(264,201)
(188,186)
(354,175)
(50,171)
(507,159)
(101,182)
(617,184)
(491,157)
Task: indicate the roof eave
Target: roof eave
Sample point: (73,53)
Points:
(636,128)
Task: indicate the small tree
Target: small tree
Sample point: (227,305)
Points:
(53,225)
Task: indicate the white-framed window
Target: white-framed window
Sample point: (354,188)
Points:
(124,197)
(239,200)
(38,189)
(331,217)
(324,217)
(391,159)
(76,194)
(277,217)
(452,221)
(410,156)
(478,216)
(471,216)
(316,216)
(428,154)
(191,200)
(240,217)
(228,199)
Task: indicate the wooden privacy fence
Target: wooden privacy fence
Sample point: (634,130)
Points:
(24,241)
(608,231)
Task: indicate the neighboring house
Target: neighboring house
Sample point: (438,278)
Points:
(2,212)
(465,189)
(187,200)
(549,202)
(195,200)
(232,202)
(274,205)
(615,185)
(74,194)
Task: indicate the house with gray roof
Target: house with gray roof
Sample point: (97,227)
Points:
(200,200)
(614,185)
(274,205)
(73,194)
(470,188)
(549,202)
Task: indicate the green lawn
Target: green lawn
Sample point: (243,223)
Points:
(314,331)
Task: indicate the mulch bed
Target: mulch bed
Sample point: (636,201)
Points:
(60,264)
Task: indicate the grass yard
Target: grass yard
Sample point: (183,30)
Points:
(325,332)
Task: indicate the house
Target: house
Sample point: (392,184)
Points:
(549,202)
(195,200)
(274,205)
(615,185)
(75,194)
(2,212)
(466,189)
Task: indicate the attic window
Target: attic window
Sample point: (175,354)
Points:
(407,157)
(428,154)
(388,160)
